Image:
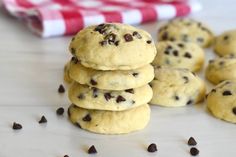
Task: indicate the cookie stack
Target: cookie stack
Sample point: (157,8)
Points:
(110,69)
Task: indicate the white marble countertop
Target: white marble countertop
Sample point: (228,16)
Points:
(31,70)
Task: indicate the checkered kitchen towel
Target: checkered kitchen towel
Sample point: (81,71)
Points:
(63,17)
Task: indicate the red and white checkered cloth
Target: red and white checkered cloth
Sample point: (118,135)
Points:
(63,17)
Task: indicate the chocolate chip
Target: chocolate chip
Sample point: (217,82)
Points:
(221,63)
(185,79)
(152,148)
(166,52)
(74,60)
(187,55)
(189,102)
(43,120)
(68,112)
(136,34)
(120,99)
(133,102)
(78,125)
(130,91)
(92,150)
(181,45)
(73,39)
(149,41)
(95,92)
(111,38)
(211,61)
(72,50)
(108,96)
(81,96)
(226,93)
(234,110)
(117,43)
(60,111)
(66,155)
(194,151)
(128,37)
(93,82)
(175,53)
(192,142)
(213,90)
(100,28)
(61,89)
(226,37)
(172,39)
(169,47)
(176,97)
(87,118)
(199,39)
(16,126)
(103,43)
(135,74)
(164,36)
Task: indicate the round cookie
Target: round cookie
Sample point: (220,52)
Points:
(221,69)
(94,98)
(225,43)
(221,101)
(176,87)
(67,78)
(186,30)
(111,80)
(113,46)
(179,55)
(110,122)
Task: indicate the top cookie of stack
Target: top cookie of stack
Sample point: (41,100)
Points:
(113,46)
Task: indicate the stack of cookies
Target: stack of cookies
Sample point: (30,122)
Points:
(110,69)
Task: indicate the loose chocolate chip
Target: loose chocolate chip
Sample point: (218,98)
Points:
(213,90)
(185,79)
(93,82)
(16,126)
(81,96)
(128,37)
(175,53)
(87,118)
(189,102)
(226,93)
(176,97)
(72,50)
(66,155)
(194,151)
(120,99)
(61,89)
(149,42)
(108,96)
(152,148)
(166,52)
(187,55)
(164,36)
(43,120)
(135,74)
(136,34)
(199,39)
(60,111)
(234,110)
(78,125)
(92,150)
(181,45)
(130,91)
(103,43)
(95,92)
(192,142)
(226,37)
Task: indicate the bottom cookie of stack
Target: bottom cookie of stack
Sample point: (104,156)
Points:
(110,122)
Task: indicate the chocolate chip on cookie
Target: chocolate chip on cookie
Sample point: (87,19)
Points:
(78,125)
(164,36)
(16,126)
(175,53)
(136,34)
(81,96)
(60,111)
(87,118)
(43,120)
(180,45)
(108,96)
(120,99)
(234,110)
(213,90)
(93,82)
(103,43)
(187,55)
(135,74)
(61,89)
(185,79)
(92,150)
(95,92)
(189,102)
(72,50)
(128,37)
(226,93)
(176,97)
(130,91)
(226,37)
(149,41)
(152,148)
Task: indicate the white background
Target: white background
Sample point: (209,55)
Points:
(31,70)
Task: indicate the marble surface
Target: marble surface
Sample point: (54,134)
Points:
(31,70)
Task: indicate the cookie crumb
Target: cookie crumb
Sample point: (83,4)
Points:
(152,148)
(43,120)
(61,89)
(194,151)
(192,142)
(60,111)
(16,126)
(92,150)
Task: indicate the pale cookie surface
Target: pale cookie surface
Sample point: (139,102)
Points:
(176,87)
(221,69)
(94,98)
(186,30)
(67,78)
(179,55)
(226,43)
(221,101)
(111,80)
(113,46)
(110,122)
